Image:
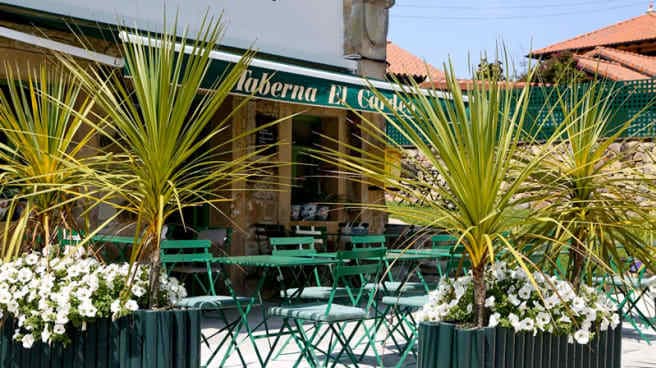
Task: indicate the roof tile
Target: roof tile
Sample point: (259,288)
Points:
(641,63)
(635,29)
(607,69)
(402,62)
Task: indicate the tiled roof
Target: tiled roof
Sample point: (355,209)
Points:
(640,63)
(402,62)
(631,30)
(608,69)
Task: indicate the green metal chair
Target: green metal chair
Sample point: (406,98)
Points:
(319,233)
(197,252)
(402,308)
(390,285)
(626,292)
(445,245)
(302,247)
(348,273)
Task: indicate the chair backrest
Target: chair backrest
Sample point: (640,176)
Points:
(446,241)
(362,241)
(265,231)
(355,269)
(188,251)
(292,246)
(69,237)
(319,233)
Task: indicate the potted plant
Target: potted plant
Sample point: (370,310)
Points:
(167,159)
(162,161)
(541,322)
(475,180)
(71,310)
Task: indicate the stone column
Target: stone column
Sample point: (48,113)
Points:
(365,39)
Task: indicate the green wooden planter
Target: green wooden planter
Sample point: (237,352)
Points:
(144,339)
(444,345)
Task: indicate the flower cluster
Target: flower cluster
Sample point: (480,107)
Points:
(47,296)
(513,301)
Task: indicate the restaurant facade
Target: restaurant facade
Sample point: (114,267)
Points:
(315,61)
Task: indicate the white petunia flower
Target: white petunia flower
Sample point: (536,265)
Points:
(494,320)
(582,336)
(28,341)
(543,319)
(489,302)
(59,329)
(527,324)
(131,305)
(24,275)
(45,335)
(514,300)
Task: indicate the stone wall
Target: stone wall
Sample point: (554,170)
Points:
(630,158)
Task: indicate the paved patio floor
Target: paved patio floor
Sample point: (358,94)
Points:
(636,353)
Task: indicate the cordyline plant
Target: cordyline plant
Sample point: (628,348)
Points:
(472,142)
(164,128)
(593,198)
(43,157)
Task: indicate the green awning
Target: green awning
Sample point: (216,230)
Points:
(290,83)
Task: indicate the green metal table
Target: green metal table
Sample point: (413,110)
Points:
(265,263)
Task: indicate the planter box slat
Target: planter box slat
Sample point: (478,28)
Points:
(142,340)
(443,345)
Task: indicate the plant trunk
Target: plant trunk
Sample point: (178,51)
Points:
(478,274)
(155,268)
(576,254)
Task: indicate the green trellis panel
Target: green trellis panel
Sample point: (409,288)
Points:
(631,98)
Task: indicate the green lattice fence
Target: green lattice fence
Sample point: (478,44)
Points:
(629,98)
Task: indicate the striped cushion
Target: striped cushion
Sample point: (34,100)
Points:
(417,301)
(210,302)
(317,312)
(315,292)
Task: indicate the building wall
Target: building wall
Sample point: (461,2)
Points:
(308,30)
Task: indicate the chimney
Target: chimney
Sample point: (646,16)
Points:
(650,9)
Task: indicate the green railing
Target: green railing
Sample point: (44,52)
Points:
(629,98)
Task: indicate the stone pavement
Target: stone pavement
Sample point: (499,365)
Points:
(635,353)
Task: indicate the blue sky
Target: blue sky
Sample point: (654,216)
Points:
(437,30)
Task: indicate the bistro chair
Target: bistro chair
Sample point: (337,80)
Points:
(389,286)
(402,308)
(449,255)
(348,274)
(302,247)
(197,252)
(627,291)
(265,231)
(319,233)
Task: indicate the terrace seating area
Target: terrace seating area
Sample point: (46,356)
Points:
(348,302)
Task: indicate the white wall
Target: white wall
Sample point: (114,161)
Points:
(303,29)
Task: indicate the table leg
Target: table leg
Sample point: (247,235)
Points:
(243,312)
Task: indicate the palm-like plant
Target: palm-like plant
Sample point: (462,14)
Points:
(165,130)
(473,183)
(593,200)
(42,155)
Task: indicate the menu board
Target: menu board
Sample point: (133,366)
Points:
(266,136)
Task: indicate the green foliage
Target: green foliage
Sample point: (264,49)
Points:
(559,69)
(490,70)
(165,131)
(42,161)
(593,201)
(472,142)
